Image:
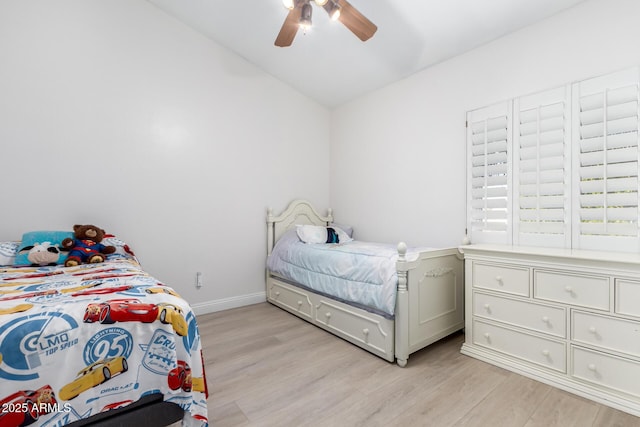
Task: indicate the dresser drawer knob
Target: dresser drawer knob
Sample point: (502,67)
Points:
(487,307)
(299,303)
(568,289)
(487,335)
(545,353)
(593,329)
(545,319)
(365,331)
(591,367)
(499,280)
(328,314)
(277,294)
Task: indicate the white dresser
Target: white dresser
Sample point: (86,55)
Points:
(564,317)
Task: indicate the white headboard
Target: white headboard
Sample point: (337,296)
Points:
(298,212)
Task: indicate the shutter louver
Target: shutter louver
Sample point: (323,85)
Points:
(606,162)
(489,135)
(541,169)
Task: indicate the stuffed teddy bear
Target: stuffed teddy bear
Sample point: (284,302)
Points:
(86,246)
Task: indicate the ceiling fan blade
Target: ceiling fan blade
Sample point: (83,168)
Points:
(356,21)
(289,28)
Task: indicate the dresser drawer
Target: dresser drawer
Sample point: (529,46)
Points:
(613,372)
(607,332)
(581,290)
(541,318)
(627,297)
(545,352)
(502,278)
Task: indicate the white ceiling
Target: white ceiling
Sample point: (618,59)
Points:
(331,65)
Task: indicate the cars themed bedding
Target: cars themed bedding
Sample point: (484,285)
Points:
(77,341)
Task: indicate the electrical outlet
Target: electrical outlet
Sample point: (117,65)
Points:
(198,280)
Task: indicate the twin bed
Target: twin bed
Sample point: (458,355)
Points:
(391,301)
(96,344)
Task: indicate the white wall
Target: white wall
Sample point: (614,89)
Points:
(185,144)
(114,113)
(398,154)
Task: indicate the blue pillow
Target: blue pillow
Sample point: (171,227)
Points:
(42,248)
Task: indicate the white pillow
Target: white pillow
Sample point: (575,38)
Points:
(318,234)
(8,252)
(346,228)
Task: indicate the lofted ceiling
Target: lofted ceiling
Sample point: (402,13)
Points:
(331,65)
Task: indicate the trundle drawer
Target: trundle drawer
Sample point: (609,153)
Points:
(502,278)
(541,318)
(613,372)
(609,332)
(343,322)
(585,291)
(290,298)
(545,352)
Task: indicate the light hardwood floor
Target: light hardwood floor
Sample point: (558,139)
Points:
(266,367)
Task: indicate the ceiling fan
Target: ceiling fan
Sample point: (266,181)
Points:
(339,10)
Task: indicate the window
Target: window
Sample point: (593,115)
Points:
(489,135)
(541,169)
(605,162)
(558,168)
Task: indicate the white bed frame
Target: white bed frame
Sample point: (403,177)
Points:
(429,303)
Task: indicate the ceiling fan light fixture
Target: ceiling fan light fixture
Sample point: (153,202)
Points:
(305,16)
(300,18)
(333,9)
(289,4)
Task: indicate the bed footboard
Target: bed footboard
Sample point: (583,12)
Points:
(429,303)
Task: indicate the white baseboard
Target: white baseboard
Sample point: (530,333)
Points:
(227,303)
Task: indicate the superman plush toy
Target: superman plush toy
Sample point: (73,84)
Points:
(86,246)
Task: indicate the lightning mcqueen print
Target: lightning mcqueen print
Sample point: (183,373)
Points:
(121,310)
(84,340)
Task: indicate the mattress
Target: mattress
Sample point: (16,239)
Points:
(77,341)
(360,273)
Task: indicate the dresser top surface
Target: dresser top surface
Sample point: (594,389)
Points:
(544,252)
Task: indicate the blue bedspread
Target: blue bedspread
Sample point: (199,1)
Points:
(358,272)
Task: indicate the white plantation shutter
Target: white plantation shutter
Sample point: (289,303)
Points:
(605,162)
(570,179)
(488,186)
(541,171)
